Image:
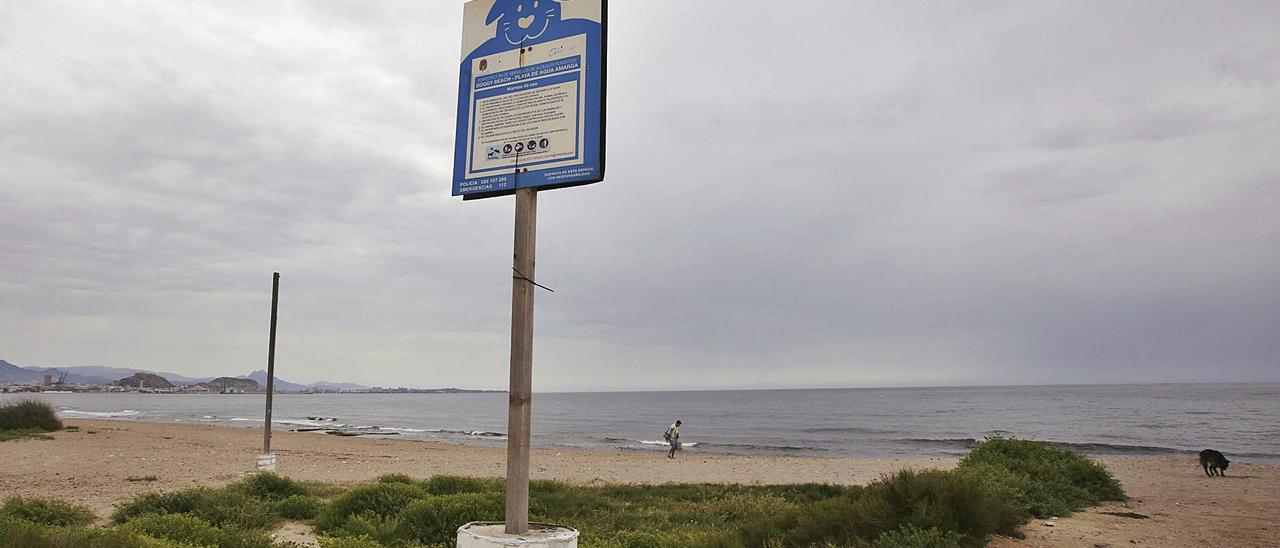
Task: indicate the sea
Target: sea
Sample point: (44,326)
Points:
(1241,420)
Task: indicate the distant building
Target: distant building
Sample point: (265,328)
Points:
(48,380)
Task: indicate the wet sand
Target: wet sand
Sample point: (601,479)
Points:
(1185,508)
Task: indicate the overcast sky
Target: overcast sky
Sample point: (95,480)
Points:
(798,194)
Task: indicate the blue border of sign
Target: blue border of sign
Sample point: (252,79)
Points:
(592,152)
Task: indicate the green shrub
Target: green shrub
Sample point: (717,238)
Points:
(188,529)
(371,526)
(748,507)
(298,507)
(1048,481)
(270,486)
(555,501)
(29,415)
(396,478)
(219,507)
(947,501)
(450,485)
(47,512)
(666,539)
(228,508)
(379,500)
(349,542)
(18,533)
(436,519)
(174,502)
(910,536)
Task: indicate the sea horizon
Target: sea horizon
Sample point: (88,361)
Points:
(1118,419)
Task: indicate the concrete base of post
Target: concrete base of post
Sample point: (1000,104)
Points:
(487,534)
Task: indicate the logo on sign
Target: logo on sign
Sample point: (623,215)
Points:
(520,20)
(493,153)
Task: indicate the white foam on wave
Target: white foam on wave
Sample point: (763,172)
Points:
(666,444)
(308,422)
(103,414)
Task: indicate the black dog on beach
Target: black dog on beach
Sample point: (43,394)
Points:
(1213,463)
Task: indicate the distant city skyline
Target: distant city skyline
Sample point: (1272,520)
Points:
(824,194)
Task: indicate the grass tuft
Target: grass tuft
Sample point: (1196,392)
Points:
(191,530)
(396,478)
(270,486)
(349,542)
(299,507)
(436,520)
(1047,481)
(227,507)
(910,536)
(373,501)
(29,415)
(24,434)
(452,485)
(47,512)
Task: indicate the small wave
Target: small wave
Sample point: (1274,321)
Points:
(759,447)
(847,430)
(1091,448)
(308,422)
(947,442)
(103,414)
(1115,448)
(474,433)
(666,444)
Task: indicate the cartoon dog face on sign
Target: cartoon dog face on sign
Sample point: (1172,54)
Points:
(520,20)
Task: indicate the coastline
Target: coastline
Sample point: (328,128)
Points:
(94,468)
(1184,508)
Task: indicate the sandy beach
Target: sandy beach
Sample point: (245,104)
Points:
(94,465)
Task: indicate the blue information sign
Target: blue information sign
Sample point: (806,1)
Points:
(530,96)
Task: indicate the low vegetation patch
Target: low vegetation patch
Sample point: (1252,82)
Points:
(24,434)
(1047,481)
(46,511)
(29,416)
(995,490)
(186,528)
(299,507)
(270,486)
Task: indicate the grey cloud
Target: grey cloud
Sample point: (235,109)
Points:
(888,194)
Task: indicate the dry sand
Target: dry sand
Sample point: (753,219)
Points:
(1185,508)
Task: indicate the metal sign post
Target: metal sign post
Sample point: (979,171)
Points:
(271,363)
(530,117)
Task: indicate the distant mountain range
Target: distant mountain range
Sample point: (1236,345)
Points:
(92,374)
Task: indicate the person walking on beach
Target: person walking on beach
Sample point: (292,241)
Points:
(672,436)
